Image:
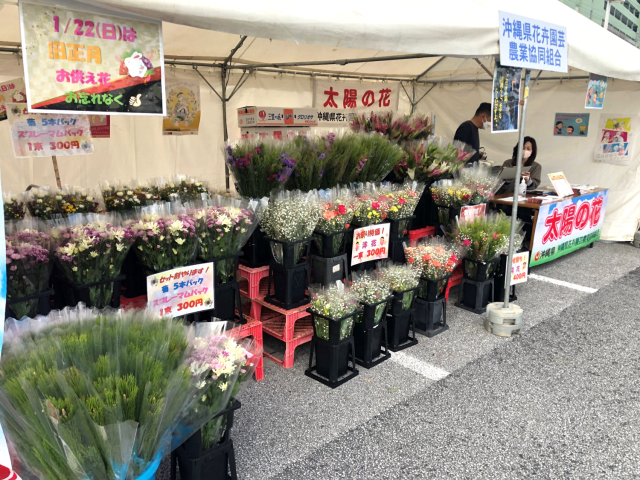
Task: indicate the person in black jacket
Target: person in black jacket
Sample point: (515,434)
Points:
(467,132)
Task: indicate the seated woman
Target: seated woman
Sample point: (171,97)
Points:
(529,152)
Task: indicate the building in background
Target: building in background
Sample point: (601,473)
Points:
(624,19)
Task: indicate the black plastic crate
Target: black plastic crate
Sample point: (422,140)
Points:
(475,296)
(226,296)
(257,251)
(289,285)
(446,215)
(332,362)
(73,294)
(43,306)
(479,271)
(328,270)
(215,463)
(400,227)
(426,212)
(396,250)
(372,313)
(333,330)
(431,317)
(135,281)
(402,300)
(228,263)
(290,250)
(331,244)
(432,290)
(369,344)
(401,331)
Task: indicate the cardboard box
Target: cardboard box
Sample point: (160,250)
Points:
(276,133)
(275,116)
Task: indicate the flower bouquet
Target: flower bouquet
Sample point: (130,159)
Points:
(92,251)
(435,260)
(78,200)
(29,264)
(164,240)
(88,394)
(430,160)
(332,306)
(486,238)
(310,154)
(259,166)
(447,195)
(289,222)
(14,208)
(402,201)
(120,197)
(338,206)
(372,207)
(372,122)
(401,129)
(482,183)
(337,151)
(403,280)
(44,203)
(372,159)
(180,187)
(372,293)
(223,228)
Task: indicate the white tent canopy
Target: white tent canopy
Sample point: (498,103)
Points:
(465,31)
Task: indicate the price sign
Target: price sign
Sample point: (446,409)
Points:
(181,291)
(370,243)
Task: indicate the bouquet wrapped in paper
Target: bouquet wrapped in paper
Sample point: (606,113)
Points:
(102,395)
(338,206)
(259,167)
(121,197)
(165,237)
(401,278)
(44,202)
(180,187)
(369,289)
(435,158)
(372,206)
(480,181)
(291,217)
(29,263)
(14,207)
(223,227)
(486,238)
(92,249)
(332,303)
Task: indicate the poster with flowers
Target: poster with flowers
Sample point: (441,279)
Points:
(370,243)
(183,108)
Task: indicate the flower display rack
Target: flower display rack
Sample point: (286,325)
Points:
(44,303)
(329,245)
(396,250)
(329,270)
(401,330)
(289,285)
(73,294)
(215,463)
(415,235)
(252,328)
(257,251)
(251,280)
(431,316)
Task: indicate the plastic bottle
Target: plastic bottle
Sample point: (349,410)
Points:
(523,187)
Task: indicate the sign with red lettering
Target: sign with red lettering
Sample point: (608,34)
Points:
(519,268)
(181,291)
(100,126)
(566,226)
(370,243)
(337,101)
(469,212)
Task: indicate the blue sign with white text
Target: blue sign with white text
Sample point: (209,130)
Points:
(533,44)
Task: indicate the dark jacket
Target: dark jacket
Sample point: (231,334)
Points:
(535,169)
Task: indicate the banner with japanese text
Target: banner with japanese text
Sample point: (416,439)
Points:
(566,226)
(91,62)
(615,139)
(48,134)
(505,99)
(100,126)
(519,268)
(533,44)
(181,291)
(183,108)
(469,212)
(338,101)
(370,243)
(12,91)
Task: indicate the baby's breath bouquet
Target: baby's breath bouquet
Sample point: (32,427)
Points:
(370,290)
(88,394)
(291,217)
(332,303)
(400,277)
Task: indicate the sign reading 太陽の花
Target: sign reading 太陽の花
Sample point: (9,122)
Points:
(531,43)
(337,102)
(183,108)
(76,60)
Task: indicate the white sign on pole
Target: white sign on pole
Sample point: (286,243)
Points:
(533,44)
(519,268)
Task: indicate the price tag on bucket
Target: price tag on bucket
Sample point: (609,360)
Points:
(370,243)
(181,291)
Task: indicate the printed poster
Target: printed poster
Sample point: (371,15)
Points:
(596,90)
(12,91)
(532,44)
(338,101)
(100,126)
(181,291)
(614,140)
(370,243)
(81,61)
(566,226)
(561,184)
(48,134)
(505,99)
(571,125)
(183,108)
(519,268)
(469,212)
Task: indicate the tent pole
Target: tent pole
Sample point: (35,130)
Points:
(516,184)
(223,73)
(413,98)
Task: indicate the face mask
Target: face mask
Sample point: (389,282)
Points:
(526,153)
(486,125)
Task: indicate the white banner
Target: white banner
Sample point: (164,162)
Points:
(337,101)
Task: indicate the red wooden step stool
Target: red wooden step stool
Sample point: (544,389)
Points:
(251,279)
(415,235)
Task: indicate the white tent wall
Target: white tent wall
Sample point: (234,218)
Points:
(456,102)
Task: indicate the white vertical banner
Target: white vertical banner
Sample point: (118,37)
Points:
(337,101)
